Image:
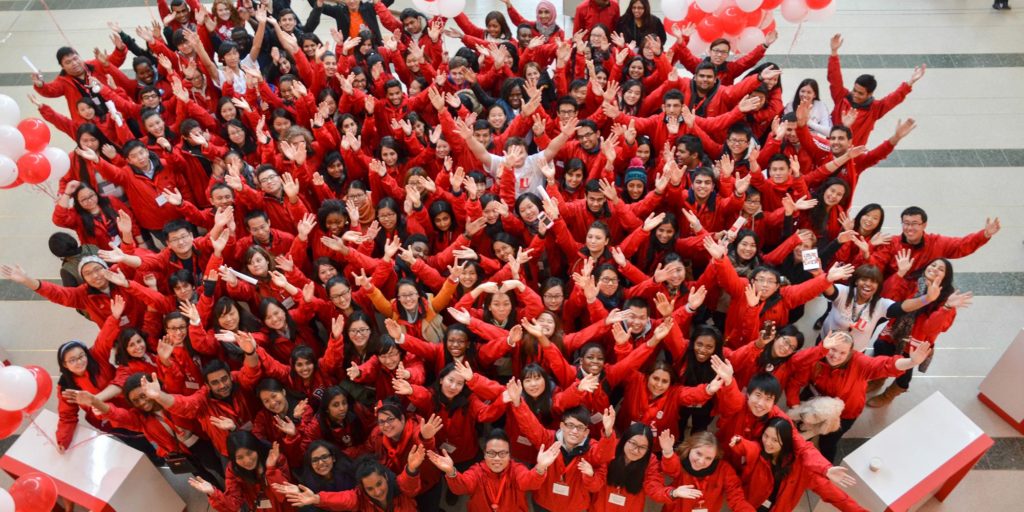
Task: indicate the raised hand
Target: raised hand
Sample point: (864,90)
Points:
(667,441)
(201,485)
(442,461)
(430,427)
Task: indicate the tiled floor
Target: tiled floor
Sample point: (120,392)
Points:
(963,163)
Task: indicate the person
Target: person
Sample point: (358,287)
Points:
(835,369)
(861,98)
(699,480)
(925,247)
(639,22)
(1001,5)
(497,483)
(254,467)
(326,469)
(590,13)
(773,477)
(378,488)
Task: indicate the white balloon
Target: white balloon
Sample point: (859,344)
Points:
(708,5)
(749,5)
(748,39)
(429,8)
(822,14)
(12,142)
(8,171)
(794,11)
(10,112)
(675,9)
(450,8)
(17,388)
(59,160)
(698,46)
(6,501)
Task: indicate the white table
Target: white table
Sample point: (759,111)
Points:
(1002,388)
(924,453)
(100,474)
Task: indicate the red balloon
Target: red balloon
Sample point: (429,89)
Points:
(33,168)
(769,29)
(817,4)
(34,492)
(754,18)
(694,14)
(36,133)
(44,387)
(770,4)
(709,28)
(9,422)
(672,25)
(733,20)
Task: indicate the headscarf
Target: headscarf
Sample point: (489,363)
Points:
(547,30)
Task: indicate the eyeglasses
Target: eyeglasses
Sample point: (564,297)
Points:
(765,280)
(637,446)
(336,296)
(719,51)
(269,178)
(386,421)
(608,280)
(76,359)
(321,459)
(574,427)
(177,329)
(361,330)
(412,295)
(737,141)
(912,224)
(491,454)
(180,239)
(554,296)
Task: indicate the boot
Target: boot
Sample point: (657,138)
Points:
(875,385)
(887,396)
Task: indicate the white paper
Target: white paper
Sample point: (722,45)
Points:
(30,65)
(562,490)
(811,260)
(243,277)
(617,499)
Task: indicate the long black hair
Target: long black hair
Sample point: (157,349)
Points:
(88,219)
(244,439)
(92,366)
(340,479)
(350,419)
(696,372)
(541,405)
(784,463)
(630,474)
(459,401)
(766,358)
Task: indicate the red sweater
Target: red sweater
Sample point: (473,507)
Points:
(930,247)
(868,114)
(758,482)
(356,499)
(848,382)
(95,303)
(721,486)
(240,407)
(489,491)
(258,496)
(151,209)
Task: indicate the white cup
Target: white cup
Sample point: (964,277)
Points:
(875,464)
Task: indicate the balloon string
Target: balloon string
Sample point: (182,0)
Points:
(50,440)
(795,36)
(54,18)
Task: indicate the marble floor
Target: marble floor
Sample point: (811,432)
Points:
(962,164)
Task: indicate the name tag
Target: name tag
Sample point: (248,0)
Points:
(617,499)
(700,510)
(264,504)
(288,303)
(563,490)
(161,200)
(596,418)
(124,320)
(447,447)
(108,189)
(523,441)
(767,504)
(191,385)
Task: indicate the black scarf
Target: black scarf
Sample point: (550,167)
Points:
(698,474)
(860,106)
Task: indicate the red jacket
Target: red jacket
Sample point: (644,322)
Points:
(719,487)
(100,236)
(67,412)
(657,412)
(258,496)
(71,89)
(95,303)
(356,499)
(589,14)
(606,499)
(458,432)
(240,407)
(489,491)
(930,247)
(565,473)
(727,72)
(758,482)
(848,382)
(394,453)
(868,114)
(153,427)
(145,195)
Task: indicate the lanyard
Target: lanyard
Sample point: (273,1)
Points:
(495,501)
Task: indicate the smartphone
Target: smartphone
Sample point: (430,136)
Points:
(544,220)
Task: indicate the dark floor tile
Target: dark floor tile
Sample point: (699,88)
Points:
(1006,454)
(993,158)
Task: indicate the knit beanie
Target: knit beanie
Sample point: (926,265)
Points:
(636,171)
(90,259)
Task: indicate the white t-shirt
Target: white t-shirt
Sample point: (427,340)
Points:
(529,177)
(854,319)
(238,82)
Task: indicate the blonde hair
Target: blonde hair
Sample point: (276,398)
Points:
(696,441)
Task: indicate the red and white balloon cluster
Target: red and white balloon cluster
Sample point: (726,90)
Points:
(23,391)
(743,22)
(446,8)
(31,492)
(25,156)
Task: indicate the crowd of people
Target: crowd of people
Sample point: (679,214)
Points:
(553,268)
